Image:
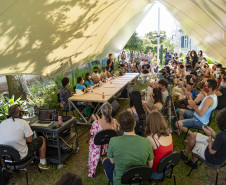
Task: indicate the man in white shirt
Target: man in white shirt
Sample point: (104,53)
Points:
(17,133)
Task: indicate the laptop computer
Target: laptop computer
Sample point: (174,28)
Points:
(46,116)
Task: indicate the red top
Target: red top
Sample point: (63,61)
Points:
(160,152)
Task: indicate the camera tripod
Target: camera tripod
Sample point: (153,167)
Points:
(169,106)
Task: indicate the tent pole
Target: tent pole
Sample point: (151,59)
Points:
(158,36)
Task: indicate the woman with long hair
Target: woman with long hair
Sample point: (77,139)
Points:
(194,59)
(157,100)
(136,107)
(160,138)
(103,123)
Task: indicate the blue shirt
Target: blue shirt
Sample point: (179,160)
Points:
(79,86)
(167,60)
(206,116)
(89,83)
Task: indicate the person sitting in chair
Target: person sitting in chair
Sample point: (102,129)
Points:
(160,138)
(17,133)
(127,150)
(103,123)
(200,116)
(95,75)
(212,151)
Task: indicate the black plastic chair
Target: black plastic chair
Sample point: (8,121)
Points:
(215,167)
(166,166)
(11,160)
(198,129)
(103,137)
(136,174)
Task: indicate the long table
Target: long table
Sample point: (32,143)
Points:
(111,90)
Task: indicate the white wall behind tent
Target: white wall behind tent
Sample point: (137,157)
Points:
(50,37)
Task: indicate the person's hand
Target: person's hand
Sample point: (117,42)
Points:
(213,133)
(94,117)
(191,103)
(189,107)
(206,130)
(143,102)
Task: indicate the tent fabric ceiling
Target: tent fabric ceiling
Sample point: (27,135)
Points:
(204,21)
(49,37)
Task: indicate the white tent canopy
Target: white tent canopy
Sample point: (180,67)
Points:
(48,37)
(204,21)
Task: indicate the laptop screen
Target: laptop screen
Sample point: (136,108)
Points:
(46,114)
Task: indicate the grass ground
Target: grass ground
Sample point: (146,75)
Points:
(77,163)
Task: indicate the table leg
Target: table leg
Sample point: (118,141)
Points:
(71,102)
(76,132)
(59,150)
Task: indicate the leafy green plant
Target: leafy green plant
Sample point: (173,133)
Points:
(8,102)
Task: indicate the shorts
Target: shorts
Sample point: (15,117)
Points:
(109,168)
(32,147)
(201,144)
(191,120)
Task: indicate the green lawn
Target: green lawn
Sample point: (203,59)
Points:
(77,163)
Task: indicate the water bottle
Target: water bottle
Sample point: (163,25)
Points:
(91,88)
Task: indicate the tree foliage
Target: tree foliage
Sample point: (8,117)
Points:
(135,43)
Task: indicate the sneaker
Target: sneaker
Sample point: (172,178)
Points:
(192,164)
(43,166)
(183,156)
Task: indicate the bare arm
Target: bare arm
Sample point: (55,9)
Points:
(208,102)
(218,93)
(150,163)
(29,139)
(199,98)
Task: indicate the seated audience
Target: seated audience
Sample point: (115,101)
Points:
(157,101)
(181,72)
(17,133)
(146,71)
(103,123)
(163,85)
(200,116)
(151,86)
(69,179)
(103,74)
(80,84)
(108,73)
(89,82)
(65,93)
(127,150)
(136,107)
(221,95)
(95,75)
(126,67)
(212,151)
(160,138)
(121,65)
(155,66)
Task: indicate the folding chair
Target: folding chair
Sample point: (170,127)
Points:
(136,174)
(210,119)
(11,160)
(103,137)
(166,166)
(215,167)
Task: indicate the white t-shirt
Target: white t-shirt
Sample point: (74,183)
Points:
(164,96)
(14,133)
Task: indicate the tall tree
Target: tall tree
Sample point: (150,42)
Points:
(17,86)
(135,43)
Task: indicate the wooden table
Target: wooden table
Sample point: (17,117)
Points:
(111,89)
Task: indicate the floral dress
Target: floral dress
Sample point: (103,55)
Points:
(64,95)
(94,150)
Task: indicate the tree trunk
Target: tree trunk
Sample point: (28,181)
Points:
(17,86)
